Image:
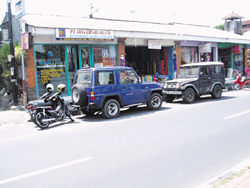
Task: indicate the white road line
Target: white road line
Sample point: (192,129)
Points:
(44,170)
(239,114)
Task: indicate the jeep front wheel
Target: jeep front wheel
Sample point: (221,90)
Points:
(216,93)
(155,101)
(189,95)
(111,109)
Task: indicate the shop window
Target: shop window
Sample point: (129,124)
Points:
(105,78)
(50,66)
(238,64)
(104,55)
(189,55)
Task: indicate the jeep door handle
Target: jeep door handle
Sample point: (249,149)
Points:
(209,78)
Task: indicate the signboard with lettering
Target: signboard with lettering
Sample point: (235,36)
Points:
(82,34)
(236,49)
(19,8)
(154,44)
(205,48)
(25,41)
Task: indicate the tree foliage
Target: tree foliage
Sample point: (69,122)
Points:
(5,77)
(221,27)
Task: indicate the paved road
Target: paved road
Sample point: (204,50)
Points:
(178,146)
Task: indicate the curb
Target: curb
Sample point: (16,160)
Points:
(237,168)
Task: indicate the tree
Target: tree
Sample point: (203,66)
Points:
(5,77)
(221,27)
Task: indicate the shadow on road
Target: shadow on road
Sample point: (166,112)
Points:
(124,114)
(203,99)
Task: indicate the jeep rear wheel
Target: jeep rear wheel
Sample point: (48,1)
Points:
(155,101)
(216,93)
(189,95)
(78,94)
(111,109)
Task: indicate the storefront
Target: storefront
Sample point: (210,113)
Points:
(232,55)
(150,58)
(57,63)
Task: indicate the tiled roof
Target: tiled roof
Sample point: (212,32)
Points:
(245,29)
(246,22)
(232,15)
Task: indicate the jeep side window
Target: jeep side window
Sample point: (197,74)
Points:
(105,78)
(216,70)
(84,78)
(204,70)
(128,77)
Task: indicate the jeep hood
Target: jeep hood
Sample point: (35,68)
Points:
(182,80)
(151,83)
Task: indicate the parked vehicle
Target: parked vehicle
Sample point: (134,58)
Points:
(240,84)
(31,107)
(107,89)
(45,115)
(196,79)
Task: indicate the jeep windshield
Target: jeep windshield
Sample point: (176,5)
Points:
(188,72)
(83,78)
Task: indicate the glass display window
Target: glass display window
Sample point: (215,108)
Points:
(238,63)
(104,55)
(50,66)
(189,55)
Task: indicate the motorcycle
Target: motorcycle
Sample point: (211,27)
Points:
(47,114)
(31,107)
(241,84)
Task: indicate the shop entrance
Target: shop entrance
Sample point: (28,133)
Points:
(224,55)
(147,61)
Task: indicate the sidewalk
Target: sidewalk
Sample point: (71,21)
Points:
(237,177)
(13,117)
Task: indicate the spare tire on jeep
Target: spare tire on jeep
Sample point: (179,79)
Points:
(78,94)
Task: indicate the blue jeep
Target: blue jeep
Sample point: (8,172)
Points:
(107,89)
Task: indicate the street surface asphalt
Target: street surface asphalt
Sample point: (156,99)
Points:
(181,145)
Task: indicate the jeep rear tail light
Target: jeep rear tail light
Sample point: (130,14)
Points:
(92,96)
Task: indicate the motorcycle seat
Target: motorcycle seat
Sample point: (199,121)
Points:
(45,107)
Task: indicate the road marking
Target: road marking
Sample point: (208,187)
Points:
(44,170)
(239,114)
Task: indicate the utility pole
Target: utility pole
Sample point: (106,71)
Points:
(12,57)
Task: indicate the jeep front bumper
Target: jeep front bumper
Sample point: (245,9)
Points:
(173,92)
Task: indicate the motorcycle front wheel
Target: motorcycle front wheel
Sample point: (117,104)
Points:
(237,86)
(39,117)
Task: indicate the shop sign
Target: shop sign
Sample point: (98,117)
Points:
(205,48)
(236,49)
(25,41)
(154,44)
(46,63)
(19,8)
(48,74)
(81,34)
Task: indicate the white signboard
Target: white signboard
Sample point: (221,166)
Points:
(205,48)
(83,34)
(5,34)
(154,44)
(19,8)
